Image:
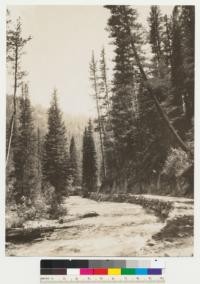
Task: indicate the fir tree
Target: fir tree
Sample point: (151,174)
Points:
(55,159)
(167,41)
(160,40)
(155,23)
(188,20)
(154,140)
(89,163)
(73,164)
(177,62)
(183,66)
(24,151)
(125,85)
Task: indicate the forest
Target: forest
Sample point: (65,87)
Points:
(142,139)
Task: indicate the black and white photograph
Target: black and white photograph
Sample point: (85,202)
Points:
(100,130)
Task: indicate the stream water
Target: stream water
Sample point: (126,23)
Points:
(120,229)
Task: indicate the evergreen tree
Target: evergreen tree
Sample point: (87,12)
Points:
(155,23)
(188,20)
(154,141)
(177,63)
(167,41)
(183,66)
(140,102)
(89,163)
(73,164)
(24,151)
(55,159)
(15,49)
(125,87)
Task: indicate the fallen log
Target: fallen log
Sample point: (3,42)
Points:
(23,235)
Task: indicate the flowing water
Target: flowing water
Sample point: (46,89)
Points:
(120,229)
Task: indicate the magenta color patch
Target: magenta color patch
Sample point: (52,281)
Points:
(86,271)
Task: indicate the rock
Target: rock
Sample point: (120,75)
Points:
(61,221)
(151,244)
(90,214)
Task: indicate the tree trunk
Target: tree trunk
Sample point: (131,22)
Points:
(14,105)
(101,128)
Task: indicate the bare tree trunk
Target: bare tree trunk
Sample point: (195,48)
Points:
(101,128)
(14,104)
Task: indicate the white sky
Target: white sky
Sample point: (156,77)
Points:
(60,51)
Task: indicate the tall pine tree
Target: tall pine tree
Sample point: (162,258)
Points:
(24,151)
(188,37)
(167,41)
(155,23)
(124,91)
(55,159)
(177,63)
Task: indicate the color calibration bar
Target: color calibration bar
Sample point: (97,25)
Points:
(101,271)
(107,271)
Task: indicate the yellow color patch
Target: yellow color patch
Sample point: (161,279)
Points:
(114,271)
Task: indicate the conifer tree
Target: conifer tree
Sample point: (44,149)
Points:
(55,159)
(125,85)
(177,61)
(183,65)
(155,23)
(24,150)
(15,49)
(188,36)
(89,163)
(167,41)
(154,140)
(73,164)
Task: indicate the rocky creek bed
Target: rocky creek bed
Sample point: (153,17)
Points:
(104,225)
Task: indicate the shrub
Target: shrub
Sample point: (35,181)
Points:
(175,173)
(177,162)
(54,206)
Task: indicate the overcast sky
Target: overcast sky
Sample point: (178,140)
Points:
(58,56)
